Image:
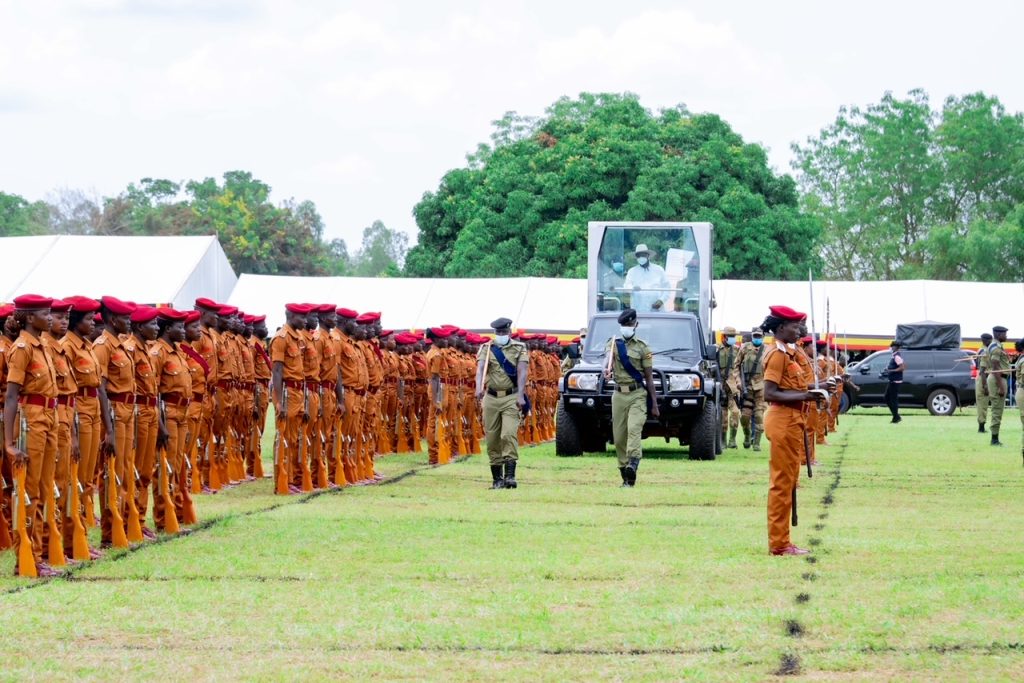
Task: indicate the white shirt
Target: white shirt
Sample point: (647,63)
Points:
(653,284)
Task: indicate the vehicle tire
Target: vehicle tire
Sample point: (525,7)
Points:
(844,403)
(941,402)
(719,439)
(567,436)
(705,432)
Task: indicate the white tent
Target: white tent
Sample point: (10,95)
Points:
(161,270)
(546,304)
(860,309)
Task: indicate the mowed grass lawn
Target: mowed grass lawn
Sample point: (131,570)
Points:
(918,574)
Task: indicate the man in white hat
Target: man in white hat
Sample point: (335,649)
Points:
(648,282)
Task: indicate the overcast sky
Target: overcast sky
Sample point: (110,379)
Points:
(362,107)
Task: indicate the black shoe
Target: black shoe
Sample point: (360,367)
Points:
(897,419)
(510,474)
(995,440)
(631,467)
(625,477)
(981,427)
(499,482)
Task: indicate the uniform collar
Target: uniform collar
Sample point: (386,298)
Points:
(29,339)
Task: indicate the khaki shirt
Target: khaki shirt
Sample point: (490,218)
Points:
(170,367)
(354,374)
(83,361)
(639,354)
(115,363)
(495,376)
(206,346)
(30,364)
(998,359)
(62,362)
(146,379)
(287,347)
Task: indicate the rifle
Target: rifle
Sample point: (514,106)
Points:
(55,541)
(188,506)
(304,445)
(79,539)
(134,529)
(26,561)
(281,447)
(5,527)
(112,482)
(170,516)
(321,470)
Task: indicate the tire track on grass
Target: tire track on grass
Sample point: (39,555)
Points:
(790,663)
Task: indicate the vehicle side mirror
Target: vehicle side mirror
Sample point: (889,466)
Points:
(711,352)
(573,351)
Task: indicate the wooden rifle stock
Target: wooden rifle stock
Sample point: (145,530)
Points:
(79,539)
(118,538)
(134,528)
(55,540)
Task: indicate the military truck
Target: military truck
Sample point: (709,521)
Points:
(673,298)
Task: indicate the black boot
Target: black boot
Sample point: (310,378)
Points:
(631,467)
(995,440)
(510,474)
(625,477)
(499,482)
(981,427)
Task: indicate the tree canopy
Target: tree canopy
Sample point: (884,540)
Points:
(521,205)
(905,191)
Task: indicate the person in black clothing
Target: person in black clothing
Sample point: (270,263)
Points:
(894,373)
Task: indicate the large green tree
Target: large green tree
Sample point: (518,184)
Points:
(522,203)
(905,191)
(382,252)
(19,217)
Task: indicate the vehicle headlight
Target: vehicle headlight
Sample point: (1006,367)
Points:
(584,381)
(683,382)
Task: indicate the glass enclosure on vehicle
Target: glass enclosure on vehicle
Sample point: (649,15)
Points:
(652,267)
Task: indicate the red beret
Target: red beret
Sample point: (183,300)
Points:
(207,304)
(348,313)
(366,319)
(193,317)
(428,341)
(787,313)
(386,333)
(6,310)
(143,314)
(116,306)
(259,318)
(83,304)
(405,338)
(171,314)
(374,315)
(60,306)
(325,308)
(98,319)
(441,332)
(576,340)
(552,339)
(301,309)
(821,342)
(32,302)
(805,340)
(227,311)
(247,319)
(564,343)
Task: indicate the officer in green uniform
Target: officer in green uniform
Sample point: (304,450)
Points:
(727,356)
(751,374)
(981,382)
(998,380)
(629,362)
(1019,396)
(501,375)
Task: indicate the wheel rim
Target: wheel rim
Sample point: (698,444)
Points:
(942,404)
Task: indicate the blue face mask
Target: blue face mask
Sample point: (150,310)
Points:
(627,332)
(618,267)
(642,260)
(731,341)
(501,339)
(757,341)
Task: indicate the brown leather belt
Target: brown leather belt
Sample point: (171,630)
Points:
(121,398)
(198,398)
(88,392)
(328,385)
(66,400)
(143,400)
(37,400)
(292,384)
(174,400)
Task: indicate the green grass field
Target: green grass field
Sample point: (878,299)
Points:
(918,573)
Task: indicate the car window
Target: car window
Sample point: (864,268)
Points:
(660,334)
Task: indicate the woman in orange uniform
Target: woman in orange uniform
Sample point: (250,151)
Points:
(788,397)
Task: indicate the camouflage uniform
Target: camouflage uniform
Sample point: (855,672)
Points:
(750,365)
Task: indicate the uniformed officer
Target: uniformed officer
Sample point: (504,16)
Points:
(998,380)
(981,382)
(751,374)
(502,373)
(286,352)
(1019,396)
(629,363)
(727,356)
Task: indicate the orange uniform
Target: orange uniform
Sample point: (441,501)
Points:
(90,425)
(287,348)
(67,390)
(147,426)
(355,379)
(170,367)
(206,347)
(114,359)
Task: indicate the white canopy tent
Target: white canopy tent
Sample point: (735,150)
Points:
(160,270)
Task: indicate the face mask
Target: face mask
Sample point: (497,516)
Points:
(627,332)
(618,268)
(757,341)
(642,260)
(501,339)
(731,341)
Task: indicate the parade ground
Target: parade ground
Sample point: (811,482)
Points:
(916,574)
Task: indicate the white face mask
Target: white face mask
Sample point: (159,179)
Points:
(642,260)
(627,332)
(501,339)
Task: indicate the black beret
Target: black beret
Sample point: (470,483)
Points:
(998,328)
(627,317)
(986,335)
(501,323)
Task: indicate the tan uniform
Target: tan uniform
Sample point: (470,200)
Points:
(501,412)
(114,359)
(170,366)
(287,348)
(90,424)
(355,378)
(67,390)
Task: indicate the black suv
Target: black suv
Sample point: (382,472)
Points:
(937,379)
(685,382)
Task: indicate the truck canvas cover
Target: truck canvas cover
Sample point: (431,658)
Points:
(928,334)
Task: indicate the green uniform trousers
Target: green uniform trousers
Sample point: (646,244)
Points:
(1020,409)
(629,413)
(981,396)
(997,401)
(754,407)
(501,427)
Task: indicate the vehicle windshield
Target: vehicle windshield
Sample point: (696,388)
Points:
(649,270)
(670,336)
